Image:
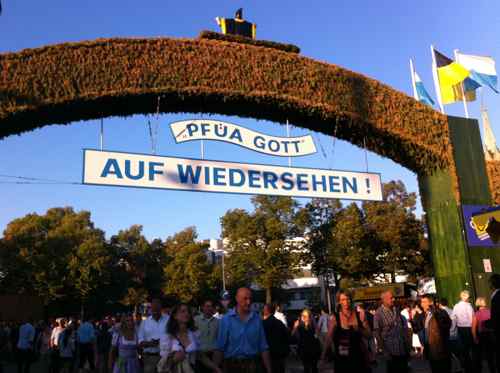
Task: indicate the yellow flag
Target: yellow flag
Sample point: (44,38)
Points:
(451,75)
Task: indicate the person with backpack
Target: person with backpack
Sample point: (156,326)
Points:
(348,331)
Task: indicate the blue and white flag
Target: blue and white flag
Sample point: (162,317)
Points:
(482,69)
(419,91)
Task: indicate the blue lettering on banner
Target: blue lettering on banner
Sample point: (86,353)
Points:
(287,180)
(301,183)
(232,180)
(207,175)
(236,135)
(273,145)
(112,168)
(192,128)
(128,172)
(270,178)
(218,128)
(188,176)
(316,182)
(334,184)
(353,186)
(253,178)
(215,176)
(219,174)
(204,128)
(285,144)
(152,171)
(259,142)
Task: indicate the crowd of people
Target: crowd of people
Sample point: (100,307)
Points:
(354,338)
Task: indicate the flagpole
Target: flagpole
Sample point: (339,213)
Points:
(288,135)
(413,83)
(101,135)
(436,80)
(464,100)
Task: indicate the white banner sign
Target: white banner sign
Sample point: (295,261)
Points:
(158,172)
(200,129)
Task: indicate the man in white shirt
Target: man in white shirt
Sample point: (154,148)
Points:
(54,343)
(150,333)
(25,347)
(280,315)
(463,313)
(58,329)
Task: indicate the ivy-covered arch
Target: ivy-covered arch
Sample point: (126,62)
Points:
(64,83)
(119,77)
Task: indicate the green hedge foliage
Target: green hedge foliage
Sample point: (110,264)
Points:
(493,169)
(211,35)
(63,83)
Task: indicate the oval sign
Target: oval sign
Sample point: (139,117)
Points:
(200,129)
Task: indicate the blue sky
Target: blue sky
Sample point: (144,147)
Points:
(373,38)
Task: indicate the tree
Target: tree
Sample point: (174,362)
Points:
(55,256)
(143,263)
(261,247)
(190,277)
(134,297)
(353,250)
(316,220)
(404,249)
(361,244)
(89,265)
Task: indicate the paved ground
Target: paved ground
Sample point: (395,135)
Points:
(417,365)
(293,366)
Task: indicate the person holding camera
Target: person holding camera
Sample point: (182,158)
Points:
(150,332)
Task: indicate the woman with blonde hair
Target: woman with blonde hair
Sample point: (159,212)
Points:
(308,345)
(124,357)
(484,340)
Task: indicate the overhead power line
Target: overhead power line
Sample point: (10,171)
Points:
(34,180)
(40,183)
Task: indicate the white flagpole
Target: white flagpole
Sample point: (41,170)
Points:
(288,135)
(455,52)
(413,82)
(436,80)
(101,135)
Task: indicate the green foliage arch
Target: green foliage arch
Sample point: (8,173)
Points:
(64,83)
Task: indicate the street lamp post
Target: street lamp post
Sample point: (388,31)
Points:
(223,275)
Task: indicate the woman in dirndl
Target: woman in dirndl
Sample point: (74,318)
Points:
(124,357)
